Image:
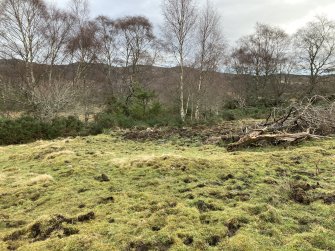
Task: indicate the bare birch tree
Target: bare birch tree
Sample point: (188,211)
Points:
(109,50)
(54,92)
(135,43)
(21,25)
(179,25)
(57,33)
(84,47)
(261,58)
(210,49)
(315,48)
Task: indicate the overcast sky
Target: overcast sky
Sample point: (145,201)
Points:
(239,16)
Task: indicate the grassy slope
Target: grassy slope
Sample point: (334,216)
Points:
(164,195)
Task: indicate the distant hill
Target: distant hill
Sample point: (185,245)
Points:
(164,81)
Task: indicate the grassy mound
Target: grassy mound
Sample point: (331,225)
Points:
(107,193)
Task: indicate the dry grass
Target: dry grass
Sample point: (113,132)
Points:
(44,178)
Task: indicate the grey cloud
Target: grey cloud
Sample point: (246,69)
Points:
(239,16)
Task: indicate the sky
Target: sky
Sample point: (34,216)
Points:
(238,16)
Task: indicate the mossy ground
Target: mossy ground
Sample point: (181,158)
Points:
(106,193)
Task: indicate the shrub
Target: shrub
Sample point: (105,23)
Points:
(140,106)
(102,121)
(20,131)
(141,109)
(243,113)
(106,121)
(228,115)
(27,129)
(64,127)
(231,104)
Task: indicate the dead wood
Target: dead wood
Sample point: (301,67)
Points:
(316,114)
(309,119)
(258,138)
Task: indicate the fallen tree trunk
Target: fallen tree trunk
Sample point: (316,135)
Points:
(257,137)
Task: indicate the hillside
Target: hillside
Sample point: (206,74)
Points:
(164,81)
(107,193)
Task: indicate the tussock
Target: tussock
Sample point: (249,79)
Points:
(44,178)
(58,154)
